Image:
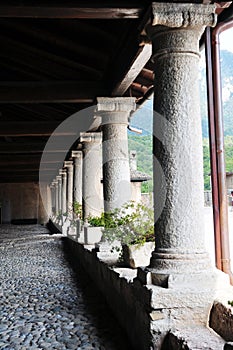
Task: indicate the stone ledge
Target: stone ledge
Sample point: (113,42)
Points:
(221,320)
(151,317)
(194,338)
(130,302)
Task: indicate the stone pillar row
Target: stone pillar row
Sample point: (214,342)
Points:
(98,176)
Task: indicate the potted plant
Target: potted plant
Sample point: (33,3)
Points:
(132,226)
(76,224)
(93,229)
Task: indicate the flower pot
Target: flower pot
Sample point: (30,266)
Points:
(138,255)
(92,234)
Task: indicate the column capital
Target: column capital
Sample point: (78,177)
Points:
(76,154)
(88,137)
(115,110)
(62,171)
(68,164)
(183,15)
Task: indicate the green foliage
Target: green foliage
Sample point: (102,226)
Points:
(143,146)
(131,224)
(96,221)
(206,159)
(206,164)
(77,209)
(230,302)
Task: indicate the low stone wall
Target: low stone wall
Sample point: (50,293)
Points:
(129,301)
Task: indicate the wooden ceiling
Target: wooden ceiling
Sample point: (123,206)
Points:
(54,61)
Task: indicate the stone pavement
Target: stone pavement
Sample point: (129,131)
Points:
(44,304)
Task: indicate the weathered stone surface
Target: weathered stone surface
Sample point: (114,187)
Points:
(115,113)
(78,175)
(138,255)
(64,190)
(183,15)
(92,235)
(130,302)
(221,320)
(196,338)
(92,174)
(70,168)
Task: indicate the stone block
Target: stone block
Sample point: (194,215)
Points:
(92,235)
(221,320)
(138,255)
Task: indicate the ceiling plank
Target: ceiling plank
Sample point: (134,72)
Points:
(19,148)
(50,92)
(69,12)
(139,62)
(30,167)
(18,129)
(10,45)
(29,159)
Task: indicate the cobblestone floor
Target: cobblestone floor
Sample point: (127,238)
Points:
(43,303)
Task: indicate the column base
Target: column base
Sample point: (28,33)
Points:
(166,268)
(182,292)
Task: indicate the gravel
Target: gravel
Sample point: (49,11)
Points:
(44,304)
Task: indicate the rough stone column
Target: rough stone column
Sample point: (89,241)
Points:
(92,174)
(115,113)
(56,197)
(63,174)
(49,211)
(178,168)
(78,174)
(69,166)
(59,193)
(53,201)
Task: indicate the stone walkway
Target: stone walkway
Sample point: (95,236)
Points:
(43,303)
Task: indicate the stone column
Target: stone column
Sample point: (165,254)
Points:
(52,188)
(178,170)
(115,113)
(59,193)
(56,197)
(63,174)
(49,211)
(78,174)
(69,166)
(92,174)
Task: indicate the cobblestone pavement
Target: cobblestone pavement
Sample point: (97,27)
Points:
(43,303)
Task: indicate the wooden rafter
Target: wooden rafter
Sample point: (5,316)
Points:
(50,92)
(34,129)
(71,12)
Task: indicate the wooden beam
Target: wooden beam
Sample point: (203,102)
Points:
(139,62)
(20,180)
(14,148)
(25,178)
(38,129)
(50,92)
(70,12)
(10,160)
(29,167)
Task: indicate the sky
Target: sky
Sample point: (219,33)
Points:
(226,40)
